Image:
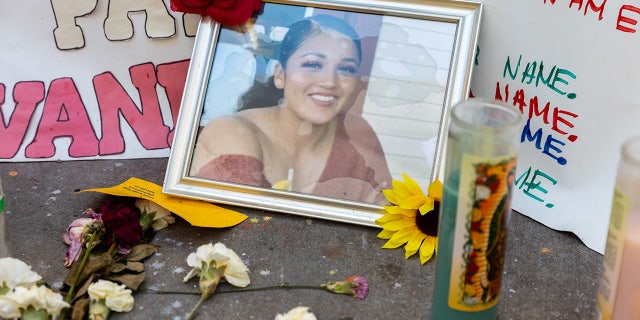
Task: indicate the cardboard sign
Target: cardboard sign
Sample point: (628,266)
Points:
(88,79)
(570,67)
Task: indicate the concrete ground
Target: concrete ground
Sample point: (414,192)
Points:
(548,274)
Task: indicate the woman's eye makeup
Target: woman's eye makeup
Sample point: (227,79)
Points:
(312,64)
(347,69)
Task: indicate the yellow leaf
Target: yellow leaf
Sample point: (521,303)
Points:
(197,213)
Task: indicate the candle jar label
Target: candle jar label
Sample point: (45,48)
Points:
(613,254)
(484,207)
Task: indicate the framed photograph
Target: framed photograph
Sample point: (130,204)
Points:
(312,108)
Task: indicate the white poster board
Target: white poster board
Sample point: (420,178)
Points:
(571,66)
(89,79)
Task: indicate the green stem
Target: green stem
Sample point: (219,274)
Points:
(280,286)
(85,257)
(193,311)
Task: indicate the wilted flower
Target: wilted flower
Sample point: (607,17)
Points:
(15,273)
(215,263)
(229,12)
(356,286)
(121,220)
(109,296)
(32,300)
(74,238)
(210,260)
(153,215)
(297,313)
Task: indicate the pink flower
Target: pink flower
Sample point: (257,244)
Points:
(73,237)
(356,286)
(225,12)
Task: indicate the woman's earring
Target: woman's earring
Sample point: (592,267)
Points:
(278,83)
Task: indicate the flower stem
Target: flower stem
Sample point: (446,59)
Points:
(283,285)
(193,311)
(85,257)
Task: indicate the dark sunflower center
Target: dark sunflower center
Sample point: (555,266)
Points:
(428,223)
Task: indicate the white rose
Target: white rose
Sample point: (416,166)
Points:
(162,217)
(297,313)
(235,271)
(117,297)
(15,273)
(39,297)
(9,309)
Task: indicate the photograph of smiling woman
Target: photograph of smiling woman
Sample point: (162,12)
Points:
(308,141)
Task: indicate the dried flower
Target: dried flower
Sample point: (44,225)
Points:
(356,286)
(108,296)
(215,263)
(226,12)
(15,273)
(121,220)
(297,313)
(74,238)
(153,215)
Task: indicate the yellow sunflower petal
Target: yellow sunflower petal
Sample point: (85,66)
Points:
(398,210)
(414,244)
(412,185)
(398,224)
(387,218)
(402,236)
(391,196)
(435,189)
(401,189)
(428,205)
(427,249)
(385,234)
(413,202)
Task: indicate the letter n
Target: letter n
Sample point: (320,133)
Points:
(113,101)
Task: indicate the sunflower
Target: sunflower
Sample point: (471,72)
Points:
(412,218)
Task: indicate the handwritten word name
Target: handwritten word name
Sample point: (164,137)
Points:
(626,21)
(64,114)
(534,71)
(552,146)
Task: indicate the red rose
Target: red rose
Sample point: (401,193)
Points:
(122,220)
(225,12)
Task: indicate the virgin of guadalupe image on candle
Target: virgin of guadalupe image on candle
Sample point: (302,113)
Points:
(309,139)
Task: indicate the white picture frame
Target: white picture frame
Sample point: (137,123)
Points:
(408,113)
